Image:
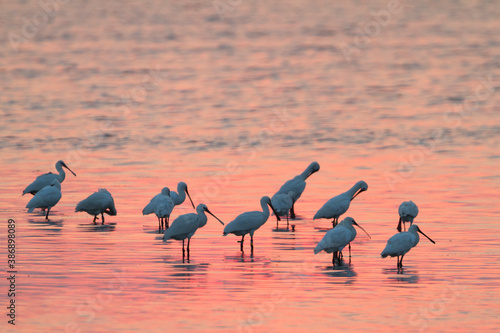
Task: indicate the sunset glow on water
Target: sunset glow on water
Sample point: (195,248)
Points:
(135,96)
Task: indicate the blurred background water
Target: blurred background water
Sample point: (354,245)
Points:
(234,98)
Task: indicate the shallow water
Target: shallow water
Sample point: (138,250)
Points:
(134,97)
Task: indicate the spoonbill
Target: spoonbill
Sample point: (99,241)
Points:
(282,204)
(408,210)
(186,225)
(47,197)
(99,202)
(47,178)
(337,238)
(338,205)
(179,196)
(250,221)
(402,242)
(162,205)
(297,185)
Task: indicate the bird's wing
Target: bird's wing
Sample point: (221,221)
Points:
(163,206)
(48,196)
(334,207)
(184,224)
(398,244)
(245,222)
(282,203)
(40,182)
(296,184)
(334,240)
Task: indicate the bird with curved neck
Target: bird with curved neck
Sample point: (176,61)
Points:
(297,185)
(179,196)
(46,198)
(339,204)
(185,226)
(162,205)
(249,222)
(401,243)
(47,178)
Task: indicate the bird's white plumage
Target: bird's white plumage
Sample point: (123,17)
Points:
(97,203)
(298,183)
(337,238)
(401,243)
(186,225)
(47,178)
(408,210)
(161,204)
(282,203)
(338,205)
(47,197)
(249,222)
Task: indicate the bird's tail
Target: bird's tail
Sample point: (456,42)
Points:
(31,210)
(384,253)
(318,248)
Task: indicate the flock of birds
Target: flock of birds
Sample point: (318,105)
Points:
(46,191)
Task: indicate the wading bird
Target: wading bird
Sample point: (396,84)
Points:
(46,198)
(186,225)
(282,204)
(47,178)
(338,205)
(99,202)
(162,205)
(337,238)
(248,222)
(297,185)
(179,196)
(408,210)
(401,243)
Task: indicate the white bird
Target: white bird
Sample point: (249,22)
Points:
(338,205)
(297,185)
(99,202)
(179,196)
(337,238)
(47,178)
(186,225)
(162,205)
(408,210)
(47,197)
(282,204)
(402,242)
(250,221)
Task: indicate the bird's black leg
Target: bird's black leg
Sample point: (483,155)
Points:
(333,257)
(159,226)
(102,215)
(166,223)
(189,240)
(241,242)
(183,252)
(349,251)
(287,221)
(47,215)
(95,218)
(292,211)
(276,221)
(399,225)
(251,242)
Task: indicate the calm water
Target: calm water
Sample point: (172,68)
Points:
(137,96)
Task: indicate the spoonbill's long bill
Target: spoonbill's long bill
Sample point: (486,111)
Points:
(46,198)
(338,205)
(186,225)
(297,185)
(401,243)
(408,210)
(179,196)
(99,202)
(248,222)
(47,178)
(337,238)
(282,204)
(162,205)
